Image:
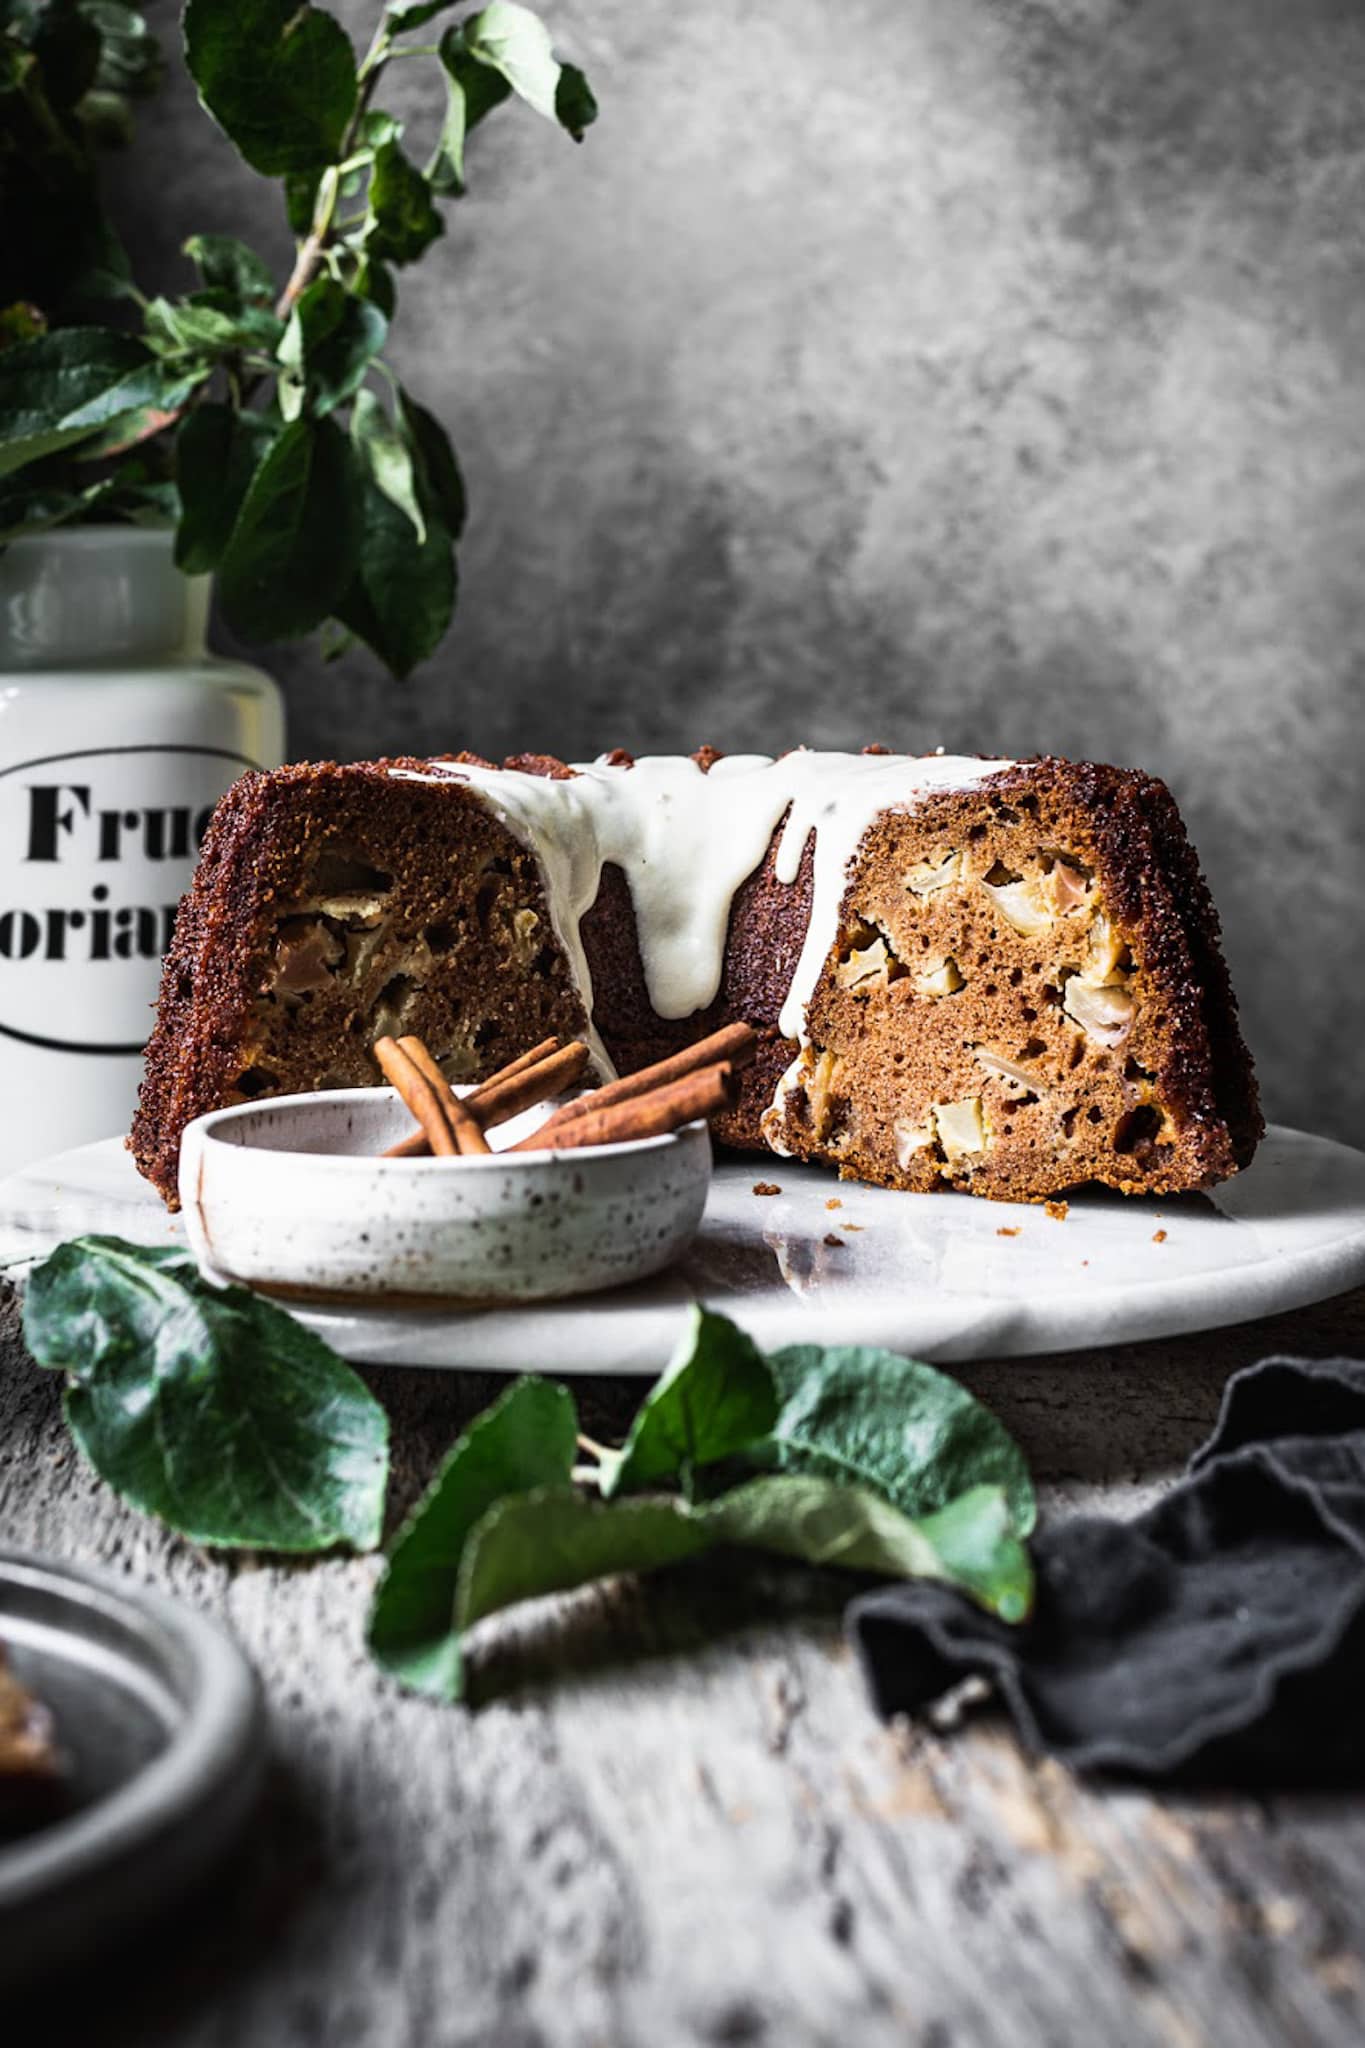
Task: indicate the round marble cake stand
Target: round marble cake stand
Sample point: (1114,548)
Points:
(824,1261)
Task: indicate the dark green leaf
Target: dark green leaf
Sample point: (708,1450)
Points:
(403,221)
(67,47)
(473,90)
(374,282)
(511,42)
(35,508)
(131,429)
(332,338)
(130,55)
(894,1424)
(375,127)
(402,15)
(277,77)
(714,1398)
(387,455)
(63,387)
(575,107)
(30,503)
(514,42)
(107,119)
(300,199)
(211,323)
(402,595)
(103,271)
(825,1522)
(484,86)
(228,266)
(526,1440)
(550,1541)
(442,484)
(978,1543)
(292,551)
(217,452)
(445,172)
(208,1407)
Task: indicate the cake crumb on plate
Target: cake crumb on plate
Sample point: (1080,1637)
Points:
(766,1187)
(1058,1211)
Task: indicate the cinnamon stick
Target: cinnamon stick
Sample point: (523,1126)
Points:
(417,1092)
(650,1115)
(464,1126)
(519,1065)
(735,1043)
(549,1077)
(414,1146)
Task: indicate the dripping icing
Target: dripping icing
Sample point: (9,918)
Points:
(686,840)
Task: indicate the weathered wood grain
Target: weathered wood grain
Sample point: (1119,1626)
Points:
(676,1821)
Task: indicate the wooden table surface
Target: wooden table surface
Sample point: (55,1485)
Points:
(675,1820)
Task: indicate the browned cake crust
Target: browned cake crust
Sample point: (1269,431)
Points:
(948,1045)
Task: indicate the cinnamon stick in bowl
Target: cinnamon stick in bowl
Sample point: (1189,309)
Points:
(465,1128)
(489,1103)
(496,1102)
(647,1115)
(694,1083)
(734,1046)
(417,1093)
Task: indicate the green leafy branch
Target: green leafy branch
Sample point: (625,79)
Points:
(842,1457)
(301,472)
(217,1412)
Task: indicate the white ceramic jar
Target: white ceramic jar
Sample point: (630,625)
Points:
(118,734)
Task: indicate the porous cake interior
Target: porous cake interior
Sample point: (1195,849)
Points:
(1008,1008)
(355,954)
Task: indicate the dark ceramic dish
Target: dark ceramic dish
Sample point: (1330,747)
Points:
(161,1727)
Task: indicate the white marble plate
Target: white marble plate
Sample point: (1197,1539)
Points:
(938,1275)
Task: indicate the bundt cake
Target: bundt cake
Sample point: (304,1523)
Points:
(998,976)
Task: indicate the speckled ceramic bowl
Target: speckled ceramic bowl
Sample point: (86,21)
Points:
(291,1197)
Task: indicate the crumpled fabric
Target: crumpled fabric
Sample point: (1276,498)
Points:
(1218,1637)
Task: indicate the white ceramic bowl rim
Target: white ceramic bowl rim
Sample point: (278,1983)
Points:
(568,1155)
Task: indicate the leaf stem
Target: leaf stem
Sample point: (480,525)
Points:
(314,243)
(595,1450)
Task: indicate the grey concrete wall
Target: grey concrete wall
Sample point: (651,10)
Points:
(964,371)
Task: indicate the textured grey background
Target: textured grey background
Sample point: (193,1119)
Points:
(963,371)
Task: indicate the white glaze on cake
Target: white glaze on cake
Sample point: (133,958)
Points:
(686,840)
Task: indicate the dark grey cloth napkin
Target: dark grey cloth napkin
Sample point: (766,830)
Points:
(1219,1636)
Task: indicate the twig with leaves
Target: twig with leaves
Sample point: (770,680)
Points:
(265,421)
